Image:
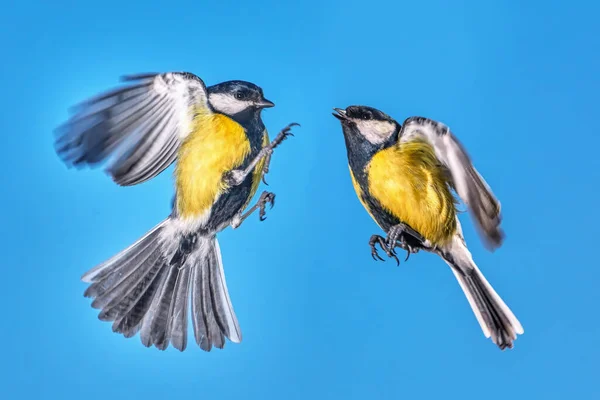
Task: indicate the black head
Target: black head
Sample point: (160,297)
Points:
(373,125)
(235,97)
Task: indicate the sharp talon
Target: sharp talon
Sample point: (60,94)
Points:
(392,255)
(374,253)
(264,180)
(294,124)
(262,218)
(407,255)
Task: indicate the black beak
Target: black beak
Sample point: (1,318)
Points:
(264,103)
(340,114)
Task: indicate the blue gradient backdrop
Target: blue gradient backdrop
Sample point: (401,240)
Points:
(517,81)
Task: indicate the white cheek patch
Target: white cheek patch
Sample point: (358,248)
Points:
(375,131)
(227,104)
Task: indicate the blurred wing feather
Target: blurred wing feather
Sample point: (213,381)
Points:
(468,183)
(138,127)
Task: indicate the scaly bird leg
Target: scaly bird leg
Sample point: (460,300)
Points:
(264,199)
(237,176)
(406,238)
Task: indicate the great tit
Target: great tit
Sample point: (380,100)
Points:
(405,176)
(221,148)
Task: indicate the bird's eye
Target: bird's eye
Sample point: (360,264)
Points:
(239,95)
(366,116)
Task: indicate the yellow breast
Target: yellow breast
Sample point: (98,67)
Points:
(217,144)
(410,184)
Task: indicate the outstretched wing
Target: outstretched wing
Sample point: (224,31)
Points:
(138,127)
(468,183)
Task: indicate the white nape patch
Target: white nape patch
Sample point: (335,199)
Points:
(227,103)
(374,131)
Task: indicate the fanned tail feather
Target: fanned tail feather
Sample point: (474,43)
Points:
(148,287)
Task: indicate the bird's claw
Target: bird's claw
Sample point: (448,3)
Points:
(375,255)
(397,238)
(266,165)
(265,198)
(376,239)
(283,134)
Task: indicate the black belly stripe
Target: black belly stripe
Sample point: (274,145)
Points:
(383,218)
(229,204)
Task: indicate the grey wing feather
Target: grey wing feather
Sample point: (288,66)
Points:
(128,315)
(179,305)
(206,330)
(214,332)
(159,334)
(468,183)
(213,317)
(119,264)
(199,322)
(131,322)
(138,127)
(125,295)
(222,303)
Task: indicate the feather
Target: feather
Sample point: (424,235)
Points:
(468,183)
(134,126)
(494,316)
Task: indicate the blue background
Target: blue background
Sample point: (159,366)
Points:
(518,82)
